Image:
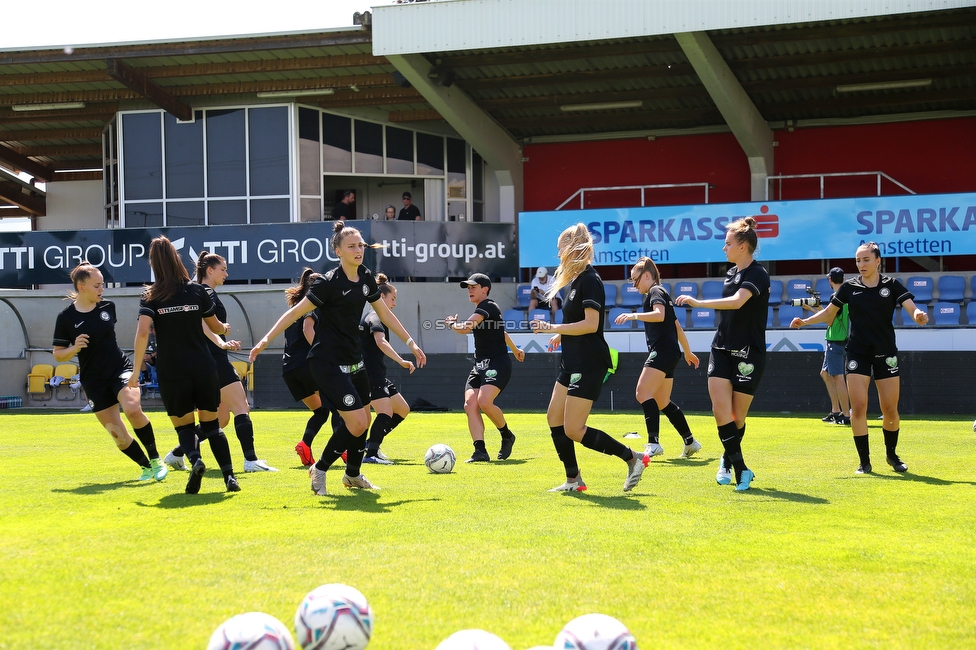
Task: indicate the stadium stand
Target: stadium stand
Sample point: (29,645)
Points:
(787,313)
(611,291)
(946,314)
(952,288)
(523,294)
(971,313)
(515,320)
(797,288)
(711,289)
(775,292)
(702,318)
(539,314)
(630,296)
(921,287)
(38,386)
(611,317)
(685,289)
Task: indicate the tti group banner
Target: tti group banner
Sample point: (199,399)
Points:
(262,252)
(932,224)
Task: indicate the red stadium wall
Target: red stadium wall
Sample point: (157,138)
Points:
(929,157)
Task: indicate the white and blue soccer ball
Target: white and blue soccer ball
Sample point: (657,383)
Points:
(595,632)
(440,459)
(473,640)
(251,631)
(334,617)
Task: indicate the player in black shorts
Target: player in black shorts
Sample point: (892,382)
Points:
(492,367)
(385,398)
(871,300)
(295,371)
(663,334)
(336,357)
(186,371)
(86,327)
(584,363)
(738,354)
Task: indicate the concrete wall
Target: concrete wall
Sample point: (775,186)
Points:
(74,205)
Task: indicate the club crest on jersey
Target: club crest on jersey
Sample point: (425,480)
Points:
(365,290)
(852,365)
(653,355)
(104,316)
(737,279)
(349,400)
(885,292)
(572,294)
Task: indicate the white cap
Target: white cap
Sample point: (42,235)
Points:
(541,272)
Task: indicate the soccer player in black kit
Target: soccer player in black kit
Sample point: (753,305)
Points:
(871,301)
(385,398)
(738,354)
(336,357)
(492,367)
(663,334)
(186,371)
(86,327)
(584,362)
(211,273)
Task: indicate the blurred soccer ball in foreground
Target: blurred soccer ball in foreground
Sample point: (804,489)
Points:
(472,640)
(251,631)
(595,632)
(334,617)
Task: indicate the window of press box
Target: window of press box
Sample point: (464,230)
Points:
(336,143)
(270,211)
(456,169)
(185,213)
(309,175)
(142,156)
(268,150)
(227,212)
(226,154)
(143,215)
(184,157)
(399,151)
(430,154)
(369,147)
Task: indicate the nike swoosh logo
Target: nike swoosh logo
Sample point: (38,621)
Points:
(79,324)
(856,293)
(741,379)
(346,291)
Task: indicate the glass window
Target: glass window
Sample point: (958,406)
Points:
(144,215)
(268,148)
(185,213)
(226,153)
(311,209)
(184,157)
(336,143)
(456,169)
(369,147)
(270,211)
(143,156)
(430,155)
(399,151)
(309,175)
(227,212)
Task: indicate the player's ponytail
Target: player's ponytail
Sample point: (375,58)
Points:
(383,284)
(78,275)
(166,264)
(576,253)
(207,260)
(744,232)
(295,294)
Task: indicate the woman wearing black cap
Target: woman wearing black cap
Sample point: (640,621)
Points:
(872,299)
(336,357)
(492,367)
(584,362)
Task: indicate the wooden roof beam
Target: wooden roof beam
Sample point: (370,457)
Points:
(19,161)
(26,135)
(149,89)
(29,202)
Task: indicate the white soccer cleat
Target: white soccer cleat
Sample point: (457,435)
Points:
(258,466)
(635,471)
(724,475)
(318,481)
(358,482)
(381,455)
(691,450)
(652,449)
(571,485)
(175,462)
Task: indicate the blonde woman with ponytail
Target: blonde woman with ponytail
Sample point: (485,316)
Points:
(584,362)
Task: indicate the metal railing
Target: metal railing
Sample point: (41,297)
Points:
(822,177)
(581,192)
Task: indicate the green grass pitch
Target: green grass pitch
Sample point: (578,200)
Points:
(811,557)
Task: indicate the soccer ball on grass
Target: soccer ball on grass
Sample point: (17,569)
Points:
(334,617)
(595,632)
(251,631)
(440,459)
(473,640)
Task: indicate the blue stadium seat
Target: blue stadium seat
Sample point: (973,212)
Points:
(797,288)
(515,320)
(896,317)
(823,286)
(769,317)
(611,291)
(711,289)
(539,314)
(946,314)
(787,313)
(952,288)
(559,316)
(907,320)
(667,287)
(616,311)
(685,289)
(523,294)
(921,287)
(681,315)
(630,296)
(971,313)
(702,318)
(775,292)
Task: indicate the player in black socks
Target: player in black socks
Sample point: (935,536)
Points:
(295,371)
(385,398)
(871,300)
(584,363)
(86,327)
(492,367)
(738,354)
(185,369)
(663,334)
(336,357)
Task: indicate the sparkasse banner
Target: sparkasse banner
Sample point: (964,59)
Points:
(931,224)
(262,252)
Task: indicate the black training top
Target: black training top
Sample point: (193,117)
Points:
(221,313)
(102,359)
(744,329)
(296,345)
(588,351)
(340,305)
(341,210)
(181,346)
(409,214)
(662,335)
(372,354)
(489,334)
(870,310)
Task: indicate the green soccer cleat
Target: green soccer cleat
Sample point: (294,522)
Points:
(159,470)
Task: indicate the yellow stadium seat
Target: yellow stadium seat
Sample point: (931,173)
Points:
(38,386)
(245,372)
(63,390)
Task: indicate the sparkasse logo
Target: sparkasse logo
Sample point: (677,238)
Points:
(767,225)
